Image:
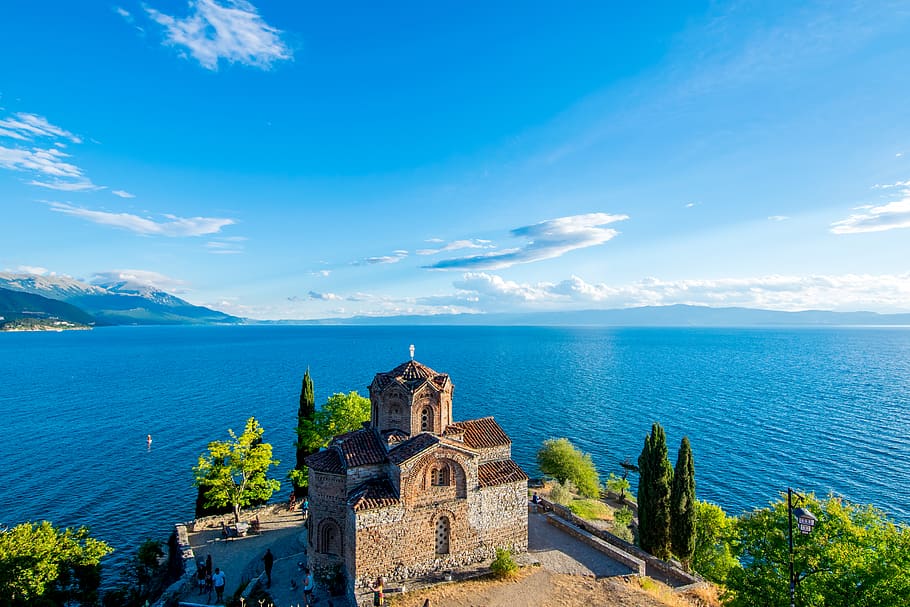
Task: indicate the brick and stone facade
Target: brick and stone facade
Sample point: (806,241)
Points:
(414,491)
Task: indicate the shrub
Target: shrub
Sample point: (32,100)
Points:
(561,460)
(623,516)
(504,565)
(562,493)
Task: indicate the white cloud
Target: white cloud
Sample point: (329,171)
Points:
(890,216)
(122,194)
(138,280)
(324,296)
(34,270)
(395,257)
(546,240)
(124,13)
(778,218)
(24,126)
(689,205)
(171,225)
(492,293)
(231,30)
(322,273)
(48,161)
(79,185)
(456,245)
(889,186)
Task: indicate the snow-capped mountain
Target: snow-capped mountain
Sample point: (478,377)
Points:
(116,302)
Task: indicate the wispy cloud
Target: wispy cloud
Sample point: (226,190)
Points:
(778,218)
(122,194)
(171,225)
(456,245)
(46,159)
(546,240)
(689,205)
(395,257)
(231,30)
(321,273)
(24,126)
(890,216)
(79,185)
(489,292)
(124,13)
(324,296)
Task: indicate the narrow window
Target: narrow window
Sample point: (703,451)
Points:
(442,535)
(426,420)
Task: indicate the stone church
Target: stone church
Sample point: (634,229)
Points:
(414,491)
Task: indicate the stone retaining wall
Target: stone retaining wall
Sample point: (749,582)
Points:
(667,569)
(635,564)
(169,596)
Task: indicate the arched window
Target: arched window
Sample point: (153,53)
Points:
(440,475)
(329,538)
(426,420)
(442,535)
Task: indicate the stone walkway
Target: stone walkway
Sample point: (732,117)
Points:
(561,553)
(284,533)
(241,559)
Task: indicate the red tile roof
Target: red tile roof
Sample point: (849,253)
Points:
(483,433)
(411,375)
(327,460)
(412,447)
(360,448)
(374,494)
(500,472)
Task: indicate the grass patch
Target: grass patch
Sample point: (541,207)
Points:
(592,510)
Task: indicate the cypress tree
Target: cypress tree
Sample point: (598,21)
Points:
(682,504)
(654,481)
(305,416)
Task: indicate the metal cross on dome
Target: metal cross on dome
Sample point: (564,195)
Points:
(412,351)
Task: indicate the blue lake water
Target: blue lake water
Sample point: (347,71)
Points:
(822,410)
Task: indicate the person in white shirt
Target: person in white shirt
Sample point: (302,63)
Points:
(218,580)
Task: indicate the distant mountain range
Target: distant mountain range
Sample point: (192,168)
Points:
(18,305)
(120,303)
(648,316)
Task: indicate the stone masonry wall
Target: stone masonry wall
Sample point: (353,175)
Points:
(400,542)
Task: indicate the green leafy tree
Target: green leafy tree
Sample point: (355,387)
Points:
(618,484)
(43,565)
(235,471)
(341,413)
(654,494)
(560,459)
(712,557)
(854,557)
(682,505)
(305,444)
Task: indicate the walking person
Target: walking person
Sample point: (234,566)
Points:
(219,581)
(378,594)
(308,586)
(268,560)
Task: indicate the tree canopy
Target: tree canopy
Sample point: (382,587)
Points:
(712,557)
(306,416)
(682,505)
(654,494)
(40,564)
(234,472)
(854,557)
(341,413)
(560,459)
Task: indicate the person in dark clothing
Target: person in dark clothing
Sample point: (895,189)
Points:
(268,560)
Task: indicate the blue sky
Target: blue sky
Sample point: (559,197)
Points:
(286,160)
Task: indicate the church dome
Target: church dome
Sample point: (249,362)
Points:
(412,375)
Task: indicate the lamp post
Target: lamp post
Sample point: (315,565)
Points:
(806,520)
